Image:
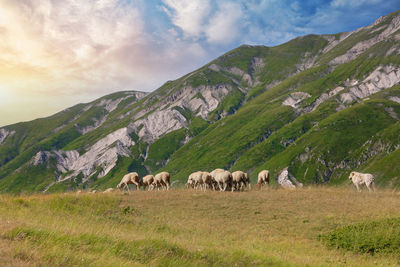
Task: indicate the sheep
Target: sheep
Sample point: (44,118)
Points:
(214,182)
(161,179)
(190,182)
(223,178)
(263,178)
(359,178)
(194,179)
(238,179)
(246,181)
(207,180)
(147,181)
(130,178)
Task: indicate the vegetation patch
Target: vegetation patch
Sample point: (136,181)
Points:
(377,237)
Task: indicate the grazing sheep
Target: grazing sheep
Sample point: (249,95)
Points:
(207,180)
(263,178)
(238,179)
(108,190)
(130,178)
(246,181)
(194,180)
(147,181)
(161,179)
(190,182)
(222,178)
(215,183)
(359,179)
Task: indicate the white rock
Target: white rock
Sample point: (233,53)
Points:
(286,180)
(159,123)
(381,78)
(363,46)
(4,133)
(294,99)
(214,67)
(395,99)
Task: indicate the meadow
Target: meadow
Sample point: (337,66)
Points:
(311,226)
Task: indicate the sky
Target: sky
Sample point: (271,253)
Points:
(58,53)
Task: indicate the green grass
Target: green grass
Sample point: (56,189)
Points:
(270,227)
(160,151)
(377,237)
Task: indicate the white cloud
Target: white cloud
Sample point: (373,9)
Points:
(225,25)
(189,16)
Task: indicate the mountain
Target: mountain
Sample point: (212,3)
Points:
(321,105)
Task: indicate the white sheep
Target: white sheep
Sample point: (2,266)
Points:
(359,179)
(161,179)
(222,178)
(207,180)
(194,179)
(263,178)
(147,181)
(130,178)
(238,179)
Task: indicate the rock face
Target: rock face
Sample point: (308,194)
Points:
(286,180)
(364,45)
(381,78)
(294,99)
(4,133)
(108,105)
(159,123)
(101,157)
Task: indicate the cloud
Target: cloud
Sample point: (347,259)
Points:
(70,51)
(189,16)
(225,26)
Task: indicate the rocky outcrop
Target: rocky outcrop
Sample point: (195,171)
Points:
(381,78)
(100,158)
(294,99)
(363,46)
(395,99)
(4,133)
(159,123)
(286,180)
(109,105)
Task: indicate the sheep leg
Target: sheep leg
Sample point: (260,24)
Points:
(137,185)
(358,188)
(219,185)
(225,186)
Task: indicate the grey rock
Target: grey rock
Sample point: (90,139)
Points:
(4,133)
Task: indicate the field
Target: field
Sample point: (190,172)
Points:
(313,226)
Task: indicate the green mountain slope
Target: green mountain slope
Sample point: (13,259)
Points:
(322,105)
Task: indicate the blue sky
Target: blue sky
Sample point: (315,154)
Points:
(55,54)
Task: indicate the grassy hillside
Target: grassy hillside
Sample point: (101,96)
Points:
(271,227)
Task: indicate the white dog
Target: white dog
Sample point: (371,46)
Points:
(359,179)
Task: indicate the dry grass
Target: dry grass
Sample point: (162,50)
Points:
(185,227)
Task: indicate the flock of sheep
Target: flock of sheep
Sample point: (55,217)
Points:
(222,180)
(218,179)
